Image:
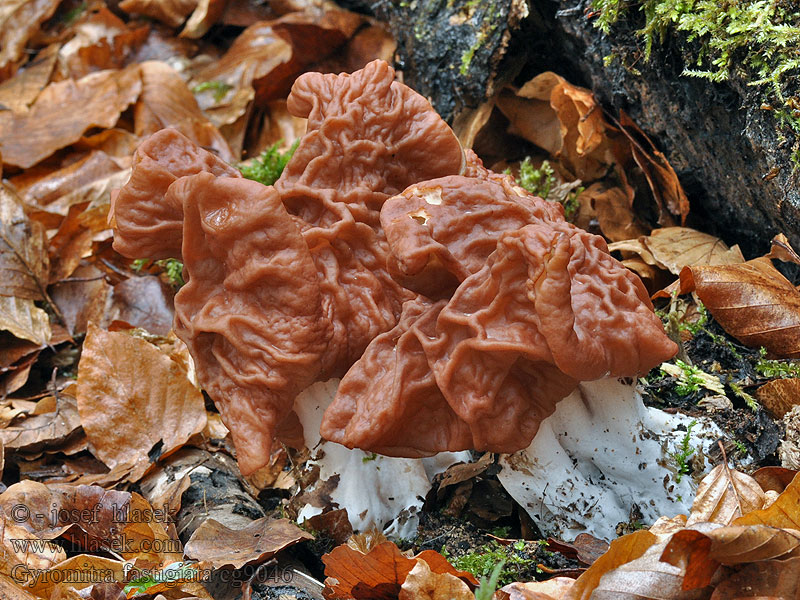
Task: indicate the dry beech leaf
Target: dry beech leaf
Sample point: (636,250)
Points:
(779,396)
(21,90)
(63,112)
(766,580)
(165,101)
(556,588)
(775,479)
(23,258)
(100,41)
(562,119)
(612,207)
(219,546)
(10,590)
(170,12)
(19,20)
(646,577)
(781,249)
(661,177)
(204,16)
(44,429)
(379,573)
(676,247)
(24,319)
(423,584)
(783,513)
(144,302)
(76,573)
(752,301)
(742,544)
(622,550)
(82,299)
(71,242)
(723,495)
(136,404)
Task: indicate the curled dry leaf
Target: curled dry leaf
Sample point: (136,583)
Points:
(612,206)
(622,550)
(423,584)
(664,184)
(562,119)
(19,20)
(170,12)
(781,249)
(165,101)
(783,513)
(379,572)
(723,495)
(24,319)
(136,404)
(779,396)
(63,112)
(219,546)
(752,301)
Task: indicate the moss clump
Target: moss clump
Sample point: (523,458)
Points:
(540,182)
(268,167)
(483,562)
(757,41)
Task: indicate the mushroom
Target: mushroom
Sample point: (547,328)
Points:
(443,294)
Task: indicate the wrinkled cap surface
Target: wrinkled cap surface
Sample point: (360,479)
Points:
(146,223)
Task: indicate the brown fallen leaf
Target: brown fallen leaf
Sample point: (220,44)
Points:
(203,17)
(765,580)
(781,249)
(676,247)
(21,90)
(774,479)
(556,588)
(63,112)
(612,206)
(19,20)
(664,184)
(170,12)
(779,396)
(783,513)
(219,546)
(752,301)
(622,550)
(24,319)
(136,404)
(423,584)
(82,298)
(165,101)
(723,495)
(144,302)
(23,258)
(51,423)
(586,548)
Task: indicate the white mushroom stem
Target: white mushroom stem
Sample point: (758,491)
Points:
(598,455)
(377,491)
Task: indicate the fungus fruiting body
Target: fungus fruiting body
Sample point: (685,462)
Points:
(439,291)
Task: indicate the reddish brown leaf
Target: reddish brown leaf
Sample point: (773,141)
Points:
(54,420)
(219,546)
(752,301)
(766,580)
(691,551)
(774,478)
(377,575)
(144,302)
(63,112)
(613,209)
(171,12)
(82,298)
(21,90)
(23,260)
(779,396)
(136,403)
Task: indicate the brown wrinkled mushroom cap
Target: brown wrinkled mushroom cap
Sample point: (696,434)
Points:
(468,306)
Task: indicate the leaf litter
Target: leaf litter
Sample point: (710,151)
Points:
(81,85)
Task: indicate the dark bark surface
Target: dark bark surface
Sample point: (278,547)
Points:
(729,153)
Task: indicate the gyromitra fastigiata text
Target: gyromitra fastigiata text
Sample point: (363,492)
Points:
(442,293)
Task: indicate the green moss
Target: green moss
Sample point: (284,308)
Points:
(776,369)
(541,181)
(173,268)
(219,88)
(269,166)
(484,562)
(683,453)
(757,40)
